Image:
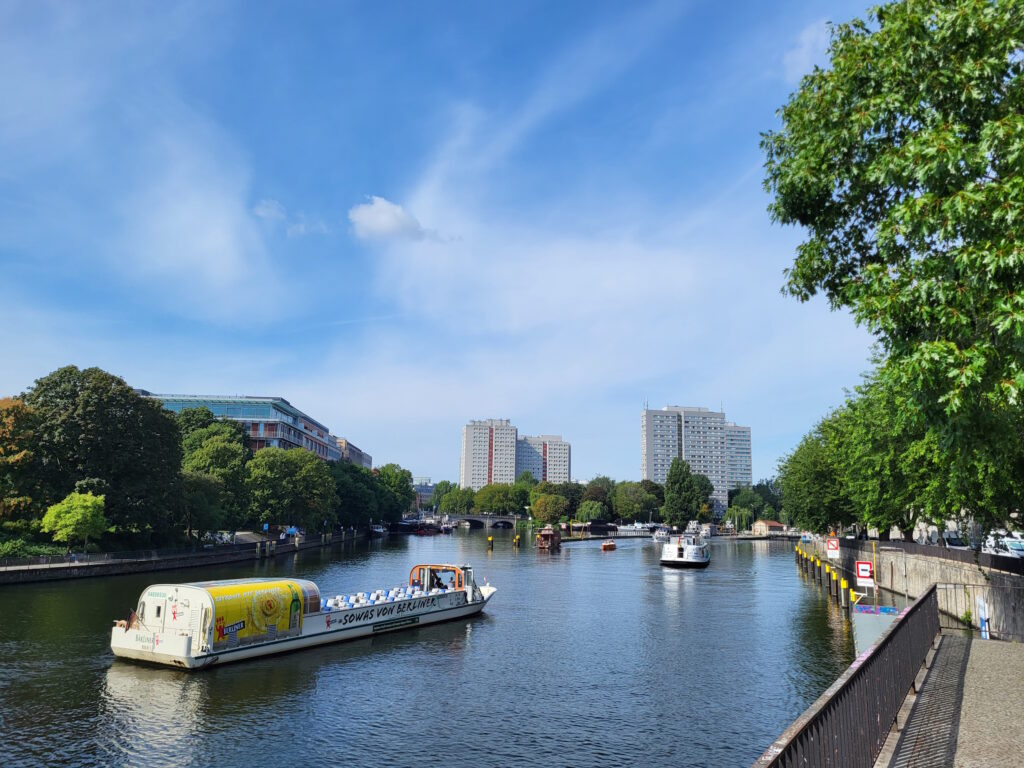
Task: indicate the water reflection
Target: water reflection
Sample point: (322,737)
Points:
(607,647)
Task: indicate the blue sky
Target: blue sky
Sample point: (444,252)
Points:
(402,216)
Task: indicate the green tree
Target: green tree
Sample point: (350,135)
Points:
(677,509)
(93,425)
(354,487)
(203,503)
(591,510)
(526,476)
(78,517)
(601,489)
(500,499)
(747,498)
(395,495)
(902,161)
(458,502)
(222,457)
(291,487)
(814,492)
(440,489)
(20,495)
(543,488)
(549,508)
(191,419)
(632,502)
(768,490)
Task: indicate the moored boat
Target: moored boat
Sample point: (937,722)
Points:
(687,551)
(608,545)
(378,531)
(214,622)
(662,534)
(549,539)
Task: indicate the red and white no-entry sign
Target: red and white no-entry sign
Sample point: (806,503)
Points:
(832,548)
(865,574)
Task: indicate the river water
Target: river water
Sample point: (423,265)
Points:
(582,658)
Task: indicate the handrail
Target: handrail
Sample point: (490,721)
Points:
(849,723)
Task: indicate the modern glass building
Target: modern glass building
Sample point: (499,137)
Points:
(271,422)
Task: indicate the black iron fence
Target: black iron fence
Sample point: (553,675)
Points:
(848,724)
(1007,563)
(993,612)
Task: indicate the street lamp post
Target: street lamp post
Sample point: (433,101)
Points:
(906,592)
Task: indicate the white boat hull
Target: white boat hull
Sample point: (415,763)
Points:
(175,648)
(689,552)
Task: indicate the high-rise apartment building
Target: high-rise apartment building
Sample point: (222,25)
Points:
(493,452)
(546,457)
(271,422)
(711,446)
(488,453)
(737,455)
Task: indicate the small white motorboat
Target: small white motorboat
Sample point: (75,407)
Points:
(662,534)
(687,551)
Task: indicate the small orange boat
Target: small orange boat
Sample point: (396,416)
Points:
(607,546)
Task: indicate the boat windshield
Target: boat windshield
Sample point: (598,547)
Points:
(436,577)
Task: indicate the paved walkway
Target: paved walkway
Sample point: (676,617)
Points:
(968,713)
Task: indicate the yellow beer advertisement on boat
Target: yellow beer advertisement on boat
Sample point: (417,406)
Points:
(255,611)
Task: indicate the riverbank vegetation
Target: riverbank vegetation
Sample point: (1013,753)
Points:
(902,162)
(686,496)
(116,468)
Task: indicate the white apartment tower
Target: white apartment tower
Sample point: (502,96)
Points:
(703,438)
(737,455)
(546,457)
(493,452)
(488,453)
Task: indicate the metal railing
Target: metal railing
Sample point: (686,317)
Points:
(1007,563)
(849,723)
(964,606)
(77,558)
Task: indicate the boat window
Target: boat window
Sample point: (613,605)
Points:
(142,609)
(158,611)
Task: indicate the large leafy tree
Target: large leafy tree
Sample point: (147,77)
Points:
(291,487)
(501,499)
(678,510)
(19,466)
(591,510)
(219,449)
(203,507)
(78,517)
(814,491)
(441,488)
(93,425)
(355,489)
(458,502)
(632,502)
(549,508)
(903,162)
(395,493)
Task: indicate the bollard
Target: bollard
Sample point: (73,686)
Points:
(515,541)
(844,584)
(834,587)
(490,542)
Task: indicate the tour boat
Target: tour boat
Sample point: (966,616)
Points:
(548,538)
(215,622)
(687,551)
(607,546)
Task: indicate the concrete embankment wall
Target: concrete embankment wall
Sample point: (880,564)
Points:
(1002,591)
(27,574)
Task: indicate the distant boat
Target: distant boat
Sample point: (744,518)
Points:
(607,545)
(688,551)
(549,539)
(662,534)
(377,531)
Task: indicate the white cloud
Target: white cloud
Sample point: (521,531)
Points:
(810,49)
(268,208)
(380,219)
(301,225)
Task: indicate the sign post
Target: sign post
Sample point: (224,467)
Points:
(865,574)
(832,548)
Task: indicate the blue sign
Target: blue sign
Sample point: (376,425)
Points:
(266,526)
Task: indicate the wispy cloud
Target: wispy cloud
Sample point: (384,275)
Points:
(808,50)
(381,219)
(268,208)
